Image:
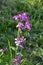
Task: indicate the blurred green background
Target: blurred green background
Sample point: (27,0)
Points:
(33,49)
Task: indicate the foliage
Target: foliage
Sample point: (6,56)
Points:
(33,49)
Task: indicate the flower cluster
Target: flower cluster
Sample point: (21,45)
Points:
(21,25)
(24,18)
(24,24)
(20,41)
(17,60)
(21,17)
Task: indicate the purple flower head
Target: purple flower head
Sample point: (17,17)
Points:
(24,17)
(17,60)
(19,16)
(21,25)
(20,41)
(15,17)
(24,14)
(28,26)
(1,50)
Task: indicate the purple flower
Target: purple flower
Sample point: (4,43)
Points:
(24,17)
(16,17)
(21,25)
(17,60)
(1,50)
(28,26)
(20,41)
(19,16)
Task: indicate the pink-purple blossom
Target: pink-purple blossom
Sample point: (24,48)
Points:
(17,60)
(20,41)
(25,18)
(16,17)
(22,16)
(28,26)
(21,25)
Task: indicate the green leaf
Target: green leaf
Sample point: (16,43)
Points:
(12,48)
(41,63)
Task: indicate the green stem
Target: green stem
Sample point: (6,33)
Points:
(10,53)
(19,33)
(16,50)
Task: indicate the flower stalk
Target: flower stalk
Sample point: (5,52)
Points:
(19,41)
